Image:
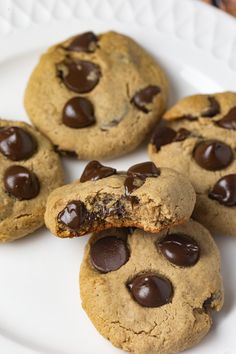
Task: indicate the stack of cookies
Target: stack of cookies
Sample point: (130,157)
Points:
(150,278)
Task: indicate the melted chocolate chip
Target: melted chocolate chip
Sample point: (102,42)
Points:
(213,109)
(85,42)
(73,215)
(213,155)
(21,183)
(95,170)
(150,290)
(179,249)
(144,97)
(137,175)
(16,143)
(144,170)
(182,134)
(228,121)
(109,253)
(78,112)
(79,76)
(224,191)
(166,135)
(132,183)
(163,136)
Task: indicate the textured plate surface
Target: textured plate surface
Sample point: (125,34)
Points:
(40,308)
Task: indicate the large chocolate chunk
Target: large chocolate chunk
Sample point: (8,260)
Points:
(179,249)
(95,170)
(80,76)
(150,290)
(224,191)
(166,135)
(229,120)
(21,183)
(16,143)
(109,253)
(85,42)
(213,109)
(144,97)
(213,155)
(78,112)
(73,215)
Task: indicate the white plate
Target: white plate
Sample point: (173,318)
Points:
(40,308)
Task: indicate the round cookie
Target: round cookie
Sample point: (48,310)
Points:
(144,196)
(96,96)
(151,293)
(200,142)
(30,170)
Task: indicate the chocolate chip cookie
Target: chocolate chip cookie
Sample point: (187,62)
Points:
(144,196)
(200,142)
(30,170)
(96,96)
(152,293)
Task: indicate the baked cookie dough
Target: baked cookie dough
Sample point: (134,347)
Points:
(152,293)
(96,96)
(30,170)
(200,142)
(144,196)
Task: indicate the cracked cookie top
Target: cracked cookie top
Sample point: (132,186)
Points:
(144,196)
(96,96)
(152,292)
(199,141)
(30,170)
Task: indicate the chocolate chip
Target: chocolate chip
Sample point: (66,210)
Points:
(109,253)
(73,215)
(166,135)
(163,136)
(21,183)
(144,169)
(137,175)
(85,42)
(182,134)
(224,191)
(150,290)
(78,112)
(144,97)
(228,121)
(132,183)
(179,249)
(213,155)
(16,143)
(213,109)
(79,76)
(95,170)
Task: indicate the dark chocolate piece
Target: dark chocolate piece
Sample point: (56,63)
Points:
(78,112)
(85,42)
(179,249)
(150,290)
(213,109)
(73,215)
(21,183)
(80,76)
(16,143)
(224,191)
(144,97)
(229,120)
(109,254)
(213,155)
(95,170)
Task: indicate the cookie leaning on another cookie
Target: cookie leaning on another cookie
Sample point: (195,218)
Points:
(145,196)
(200,142)
(30,170)
(152,293)
(96,96)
